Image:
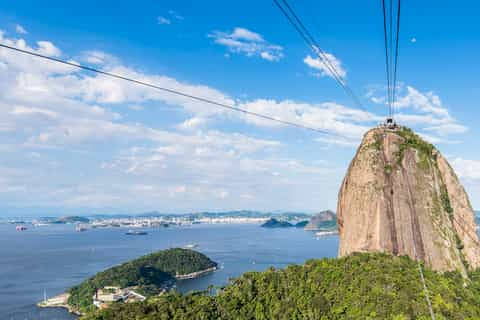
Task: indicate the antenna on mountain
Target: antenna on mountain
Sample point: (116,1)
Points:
(390,123)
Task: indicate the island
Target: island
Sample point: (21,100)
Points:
(325,220)
(274,223)
(301,224)
(135,280)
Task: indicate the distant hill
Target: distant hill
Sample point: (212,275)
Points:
(69,219)
(360,286)
(274,223)
(148,273)
(301,224)
(322,221)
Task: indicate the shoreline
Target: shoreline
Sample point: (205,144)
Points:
(194,275)
(61,300)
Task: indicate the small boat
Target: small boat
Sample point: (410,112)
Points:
(191,246)
(80,228)
(326,233)
(20,228)
(136,233)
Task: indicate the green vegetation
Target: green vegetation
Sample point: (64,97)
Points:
(149,273)
(412,140)
(301,224)
(274,223)
(388,169)
(69,219)
(446,201)
(361,286)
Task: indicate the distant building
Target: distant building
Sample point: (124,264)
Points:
(109,294)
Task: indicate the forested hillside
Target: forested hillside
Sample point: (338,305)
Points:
(149,273)
(361,286)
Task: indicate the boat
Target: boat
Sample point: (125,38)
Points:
(136,233)
(80,228)
(191,246)
(20,228)
(325,233)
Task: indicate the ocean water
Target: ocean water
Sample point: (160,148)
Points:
(54,258)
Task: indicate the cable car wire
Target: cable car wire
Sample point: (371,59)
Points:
(300,27)
(172,91)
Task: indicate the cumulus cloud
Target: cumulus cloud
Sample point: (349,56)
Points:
(467,169)
(172,16)
(330,117)
(163,20)
(319,65)
(247,42)
(98,57)
(423,110)
(20,29)
(72,119)
(193,123)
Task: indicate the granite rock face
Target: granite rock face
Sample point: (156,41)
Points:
(401,196)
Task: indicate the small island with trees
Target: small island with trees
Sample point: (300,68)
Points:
(135,280)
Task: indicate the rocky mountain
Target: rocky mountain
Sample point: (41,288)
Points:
(323,220)
(401,196)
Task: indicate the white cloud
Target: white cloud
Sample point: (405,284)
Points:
(467,169)
(163,20)
(175,15)
(268,56)
(48,108)
(172,17)
(20,29)
(447,129)
(245,34)
(247,42)
(423,110)
(318,64)
(98,57)
(192,123)
(47,48)
(330,117)
(424,102)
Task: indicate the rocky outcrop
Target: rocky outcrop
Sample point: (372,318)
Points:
(322,220)
(401,196)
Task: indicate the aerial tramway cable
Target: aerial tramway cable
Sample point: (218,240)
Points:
(391,31)
(300,27)
(391,57)
(171,91)
(387,58)
(396,58)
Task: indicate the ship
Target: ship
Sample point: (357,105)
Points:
(136,233)
(325,233)
(20,228)
(80,228)
(191,246)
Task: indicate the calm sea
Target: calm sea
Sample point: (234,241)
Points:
(54,258)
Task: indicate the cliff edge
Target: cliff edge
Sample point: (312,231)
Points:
(401,196)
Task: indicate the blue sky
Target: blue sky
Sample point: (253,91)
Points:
(78,142)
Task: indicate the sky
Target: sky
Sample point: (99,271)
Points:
(76,142)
